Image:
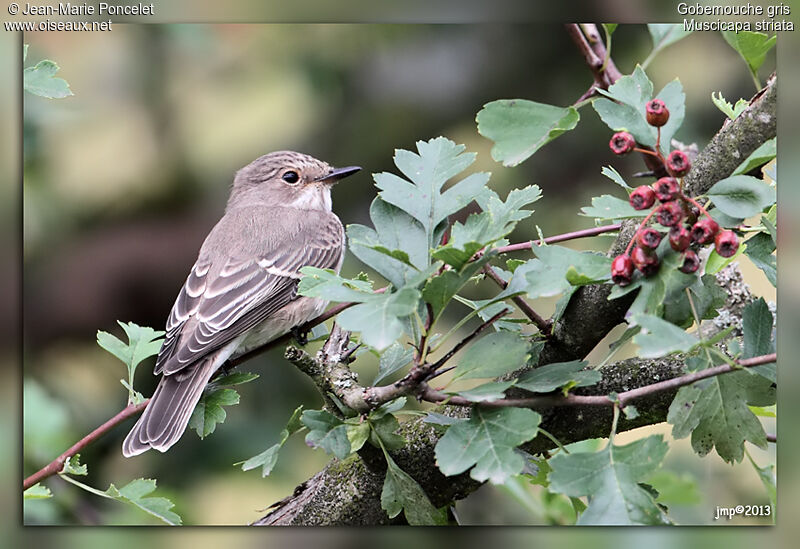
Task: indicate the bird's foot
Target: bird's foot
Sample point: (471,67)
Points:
(301,336)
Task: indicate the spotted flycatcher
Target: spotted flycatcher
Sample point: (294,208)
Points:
(242,291)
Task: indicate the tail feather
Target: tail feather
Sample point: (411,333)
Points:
(166,416)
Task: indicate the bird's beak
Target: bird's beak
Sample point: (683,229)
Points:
(337,174)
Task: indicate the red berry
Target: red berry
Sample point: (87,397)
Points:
(704,231)
(622,143)
(690,262)
(678,164)
(642,197)
(726,243)
(645,261)
(691,213)
(669,213)
(679,238)
(621,270)
(666,189)
(648,238)
(657,113)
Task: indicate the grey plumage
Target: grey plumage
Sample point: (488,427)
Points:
(242,290)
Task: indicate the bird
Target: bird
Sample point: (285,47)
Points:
(242,291)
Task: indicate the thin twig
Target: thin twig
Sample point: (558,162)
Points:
(583,233)
(541,323)
(57,464)
(463,343)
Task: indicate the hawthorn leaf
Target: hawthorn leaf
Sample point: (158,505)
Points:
(550,377)
(326,431)
(757,327)
(715,412)
(492,355)
(610,207)
(763,154)
(611,479)
(41,80)
(494,390)
(402,493)
(395,230)
(395,357)
(326,284)
(421,196)
(752,46)
(209,410)
(136,492)
(486,443)
(614,176)
(759,249)
(731,111)
(659,338)
(741,195)
(269,457)
(520,127)
(37,491)
(627,110)
(665,34)
(379,319)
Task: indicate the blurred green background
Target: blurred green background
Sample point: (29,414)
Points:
(123,180)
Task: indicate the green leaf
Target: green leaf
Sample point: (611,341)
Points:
(627,110)
(486,443)
(727,109)
(759,249)
(394,230)
(209,411)
(379,319)
(767,476)
(716,414)
(135,492)
(665,34)
(659,338)
(610,207)
(439,290)
(37,491)
(610,28)
(269,457)
(234,378)
(741,195)
(611,479)
(383,433)
(552,376)
(73,466)
(557,268)
(752,46)
(493,355)
(707,297)
(326,284)
(520,127)
(488,392)
(614,176)
(395,357)
(757,326)
(143,342)
(421,195)
(675,489)
(402,493)
(326,431)
(497,220)
(41,80)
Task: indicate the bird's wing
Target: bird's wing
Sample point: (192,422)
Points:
(217,304)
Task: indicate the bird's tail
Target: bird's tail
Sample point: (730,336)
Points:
(166,416)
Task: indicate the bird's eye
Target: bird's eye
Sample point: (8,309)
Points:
(291,177)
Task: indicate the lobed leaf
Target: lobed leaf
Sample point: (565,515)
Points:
(520,127)
(741,195)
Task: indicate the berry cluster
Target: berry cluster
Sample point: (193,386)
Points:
(690,225)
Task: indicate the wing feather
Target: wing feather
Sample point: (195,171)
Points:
(221,301)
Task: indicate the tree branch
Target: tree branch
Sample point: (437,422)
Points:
(57,464)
